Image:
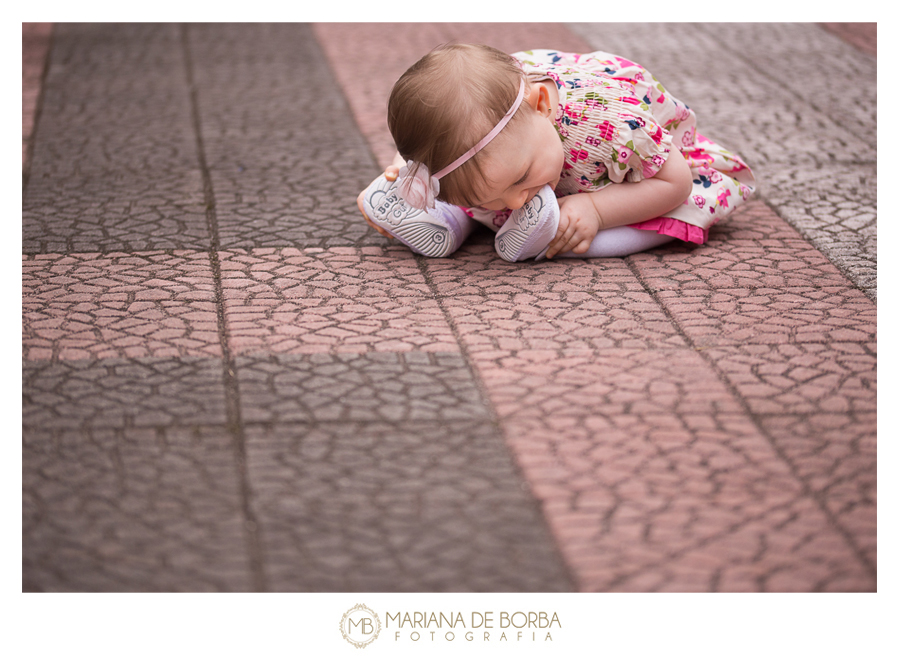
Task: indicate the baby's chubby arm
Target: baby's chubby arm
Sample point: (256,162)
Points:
(619,204)
(390,172)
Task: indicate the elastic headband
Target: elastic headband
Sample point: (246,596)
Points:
(487,138)
(420,189)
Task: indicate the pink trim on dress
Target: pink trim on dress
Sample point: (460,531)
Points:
(676,228)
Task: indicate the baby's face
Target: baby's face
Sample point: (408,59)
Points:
(529,156)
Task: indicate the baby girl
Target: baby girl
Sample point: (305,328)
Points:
(558,153)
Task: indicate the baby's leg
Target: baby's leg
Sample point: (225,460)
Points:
(621,241)
(530,229)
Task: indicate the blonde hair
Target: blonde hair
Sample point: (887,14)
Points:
(448,101)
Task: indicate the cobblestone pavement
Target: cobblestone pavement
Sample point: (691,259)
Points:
(230,383)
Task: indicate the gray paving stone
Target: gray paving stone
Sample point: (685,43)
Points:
(797,102)
(115,164)
(360,506)
(285,157)
(376,386)
(119,393)
(114,212)
(135,509)
(836,210)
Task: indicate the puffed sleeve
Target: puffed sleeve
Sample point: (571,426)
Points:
(610,135)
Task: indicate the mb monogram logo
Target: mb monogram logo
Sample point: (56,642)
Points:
(360,626)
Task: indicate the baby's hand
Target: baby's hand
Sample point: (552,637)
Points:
(579,222)
(390,173)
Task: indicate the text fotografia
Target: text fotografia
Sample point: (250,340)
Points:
(481,626)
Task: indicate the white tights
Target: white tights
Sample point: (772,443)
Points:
(620,241)
(609,243)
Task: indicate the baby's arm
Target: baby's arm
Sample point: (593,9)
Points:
(619,204)
(390,172)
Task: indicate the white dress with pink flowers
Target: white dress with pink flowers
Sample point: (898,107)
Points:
(618,124)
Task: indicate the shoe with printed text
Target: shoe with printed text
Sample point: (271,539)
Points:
(436,233)
(528,231)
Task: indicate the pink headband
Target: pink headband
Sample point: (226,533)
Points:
(419,190)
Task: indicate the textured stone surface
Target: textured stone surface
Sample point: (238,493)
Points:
(654,505)
(114,164)
(379,386)
(642,459)
(286,170)
(35,46)
(862,35)
(338,300)
(834,207)
(118,305)
(756,281)
(131,509)
(231,383)
(818,403)
(374,506)
(552,307)
(122,393)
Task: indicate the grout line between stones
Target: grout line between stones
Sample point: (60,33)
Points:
(833,257)
(495,420)
(755,419)
(229,375)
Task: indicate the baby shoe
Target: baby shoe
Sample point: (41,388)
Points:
(437,233)
(528,231)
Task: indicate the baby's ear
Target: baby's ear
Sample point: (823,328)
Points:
(539,99)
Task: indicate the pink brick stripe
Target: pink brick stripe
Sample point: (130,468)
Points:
(559,307)
(689,419)
(340,300)
(284,301)
(649,470)
(862,35)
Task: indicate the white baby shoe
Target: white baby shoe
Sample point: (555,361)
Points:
(436,233)
(528,231)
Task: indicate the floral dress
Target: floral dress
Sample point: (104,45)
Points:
(617,123)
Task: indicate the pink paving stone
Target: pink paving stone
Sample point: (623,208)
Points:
(550,308)
(623,382)
(809,378)
(818,403)
(176,315)
(335,300)
(862,35)
(588,437)
(735,290)
(348,48)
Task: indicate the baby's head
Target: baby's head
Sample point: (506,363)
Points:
(451,99)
